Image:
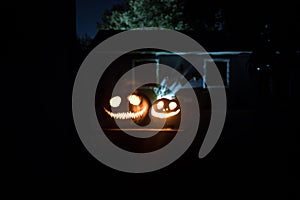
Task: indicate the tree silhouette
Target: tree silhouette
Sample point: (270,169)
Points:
(84,41)
(145,13)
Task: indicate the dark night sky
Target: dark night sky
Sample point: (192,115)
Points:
(89,12)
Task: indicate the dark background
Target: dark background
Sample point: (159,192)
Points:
(256,157)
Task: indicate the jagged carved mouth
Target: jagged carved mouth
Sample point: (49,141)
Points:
(126,115)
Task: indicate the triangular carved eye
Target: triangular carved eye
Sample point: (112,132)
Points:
(115,101)
(134,99)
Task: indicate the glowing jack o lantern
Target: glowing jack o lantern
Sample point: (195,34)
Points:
(144,101)
(165,108)
(138,109)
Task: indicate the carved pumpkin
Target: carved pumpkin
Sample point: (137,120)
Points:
(137,111)
(165,108)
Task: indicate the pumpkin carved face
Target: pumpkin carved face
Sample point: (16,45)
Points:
(142,105)
(165,108)
(138,107)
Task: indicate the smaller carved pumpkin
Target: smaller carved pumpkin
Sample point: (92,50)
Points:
(165,108)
